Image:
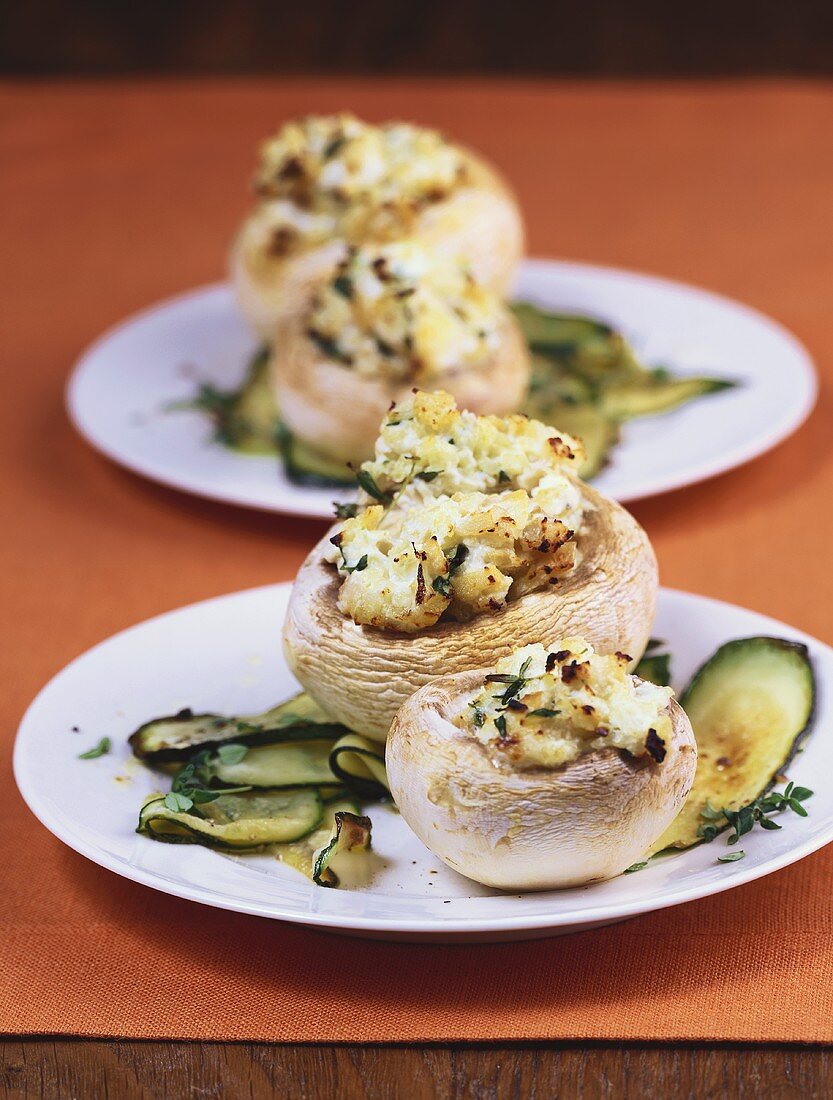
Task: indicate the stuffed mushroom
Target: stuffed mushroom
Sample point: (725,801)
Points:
(471,536)
(554,768)
(388,318)
(325,182)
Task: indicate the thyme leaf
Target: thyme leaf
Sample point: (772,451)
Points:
(101,749)
(731,857)
(367,482)
(231,753)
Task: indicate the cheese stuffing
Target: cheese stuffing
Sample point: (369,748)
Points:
(546,706)
(372,181)
(399,311)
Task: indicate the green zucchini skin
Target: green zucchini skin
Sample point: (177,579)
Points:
(235,823)
(352,831)
(752,705)
(365,786)
(746,651)
(305,466)
(172,739)
(655,667)
(653,395)
(251,420)
(586,380)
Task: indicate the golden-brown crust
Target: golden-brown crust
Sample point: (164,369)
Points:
(361,676)
(530,829)
(479,222)
(338,411)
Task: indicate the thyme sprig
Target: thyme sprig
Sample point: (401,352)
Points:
(514,684)
(190,786)
(442,584)
(757,812)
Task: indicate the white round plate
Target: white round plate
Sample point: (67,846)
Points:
(122,388)
(225,655)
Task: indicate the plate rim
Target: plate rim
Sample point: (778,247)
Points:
(730,459)
(457,927)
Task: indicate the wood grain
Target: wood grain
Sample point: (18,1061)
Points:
(50,1069)
(596,37)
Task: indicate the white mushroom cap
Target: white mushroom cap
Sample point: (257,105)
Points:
(479,222)
(361,676)
(535,829)
(338,411)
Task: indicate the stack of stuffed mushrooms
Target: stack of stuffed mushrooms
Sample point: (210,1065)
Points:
(466,633)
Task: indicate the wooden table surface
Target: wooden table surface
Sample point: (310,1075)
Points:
(724,185)
(62,1068)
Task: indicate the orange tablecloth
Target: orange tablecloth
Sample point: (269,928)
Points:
(118,194)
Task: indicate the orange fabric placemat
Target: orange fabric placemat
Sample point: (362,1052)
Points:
(118,194)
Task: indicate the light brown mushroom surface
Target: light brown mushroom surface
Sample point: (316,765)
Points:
(338,412)
(479,223)
(361,675)
(529,829)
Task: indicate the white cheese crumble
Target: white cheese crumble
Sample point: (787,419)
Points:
(428,448)
(373,179)
(400,311)
(456,557)
(545,706)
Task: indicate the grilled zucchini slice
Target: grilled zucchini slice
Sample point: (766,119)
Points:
(271,767)
(174,738)
(303,854)
(360,765)
(351,833)
(655,393)
(751,706)
(235,822)
(305,466)
(589,347)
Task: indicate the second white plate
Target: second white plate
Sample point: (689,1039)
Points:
(225,655)
(121,388)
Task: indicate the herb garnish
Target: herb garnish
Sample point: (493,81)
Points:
(635,867)
(754,813)
(428,475)
(500,722)
(460,554)
(190,784)
(335,145)
(343,285)
(360,565)
(217,405)
(367,482)
(178,803)
(544,712)
(514,683)
(345,511)
(731,857)
(230,754)
(101,749)
(442,585)
(328,346)
(479,716)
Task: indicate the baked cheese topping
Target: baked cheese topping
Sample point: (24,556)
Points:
(428,448)
(399,311)
(543,707)
(373,180)
(454,558)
